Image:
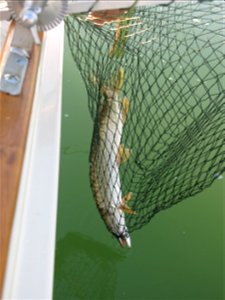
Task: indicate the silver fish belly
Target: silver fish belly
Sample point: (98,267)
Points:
(104,168)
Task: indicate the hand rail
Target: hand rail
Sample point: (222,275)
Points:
(76,6)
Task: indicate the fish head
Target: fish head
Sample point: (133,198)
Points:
(124,240)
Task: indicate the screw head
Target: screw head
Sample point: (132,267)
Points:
(29,18)
(11,78)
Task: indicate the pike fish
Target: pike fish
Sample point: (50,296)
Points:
(107,153)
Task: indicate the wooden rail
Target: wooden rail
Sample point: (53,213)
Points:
(98,5)
(15,114)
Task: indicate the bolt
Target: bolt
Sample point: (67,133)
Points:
(11,78)
(29,18)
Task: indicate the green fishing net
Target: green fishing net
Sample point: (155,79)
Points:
(173,63)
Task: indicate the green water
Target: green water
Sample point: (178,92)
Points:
(178,255)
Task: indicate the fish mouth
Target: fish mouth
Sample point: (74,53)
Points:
(124,241)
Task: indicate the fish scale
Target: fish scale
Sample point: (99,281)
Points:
(104,168)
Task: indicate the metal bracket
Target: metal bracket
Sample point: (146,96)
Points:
(31,17)
(14,72)
(16,63)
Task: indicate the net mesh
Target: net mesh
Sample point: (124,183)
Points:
(155,80)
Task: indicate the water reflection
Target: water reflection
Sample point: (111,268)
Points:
(85,269)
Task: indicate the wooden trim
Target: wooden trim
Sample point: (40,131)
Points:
(6,44)
(15,114)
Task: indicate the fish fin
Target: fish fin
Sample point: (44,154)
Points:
(123,154)
(117,79)
(127,197)
(125,108)
(114,47)
(124,207)
(120,79)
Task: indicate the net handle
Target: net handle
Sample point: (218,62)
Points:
(76,6)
